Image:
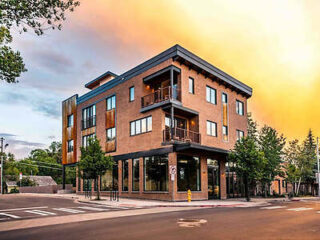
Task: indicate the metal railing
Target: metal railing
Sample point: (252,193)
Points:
(160,95)
(180,134)
(89,122)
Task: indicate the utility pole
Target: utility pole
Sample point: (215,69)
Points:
(318,167)
(1,154)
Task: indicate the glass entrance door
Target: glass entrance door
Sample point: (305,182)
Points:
(213,179)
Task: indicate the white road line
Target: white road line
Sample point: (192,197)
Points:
(9,215)
(299,209)
(39,212)
(69,210)
(93,208)
(19,209)
(273,207)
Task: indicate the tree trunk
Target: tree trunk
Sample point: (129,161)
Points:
(246,188)
(98,190)
(298,188)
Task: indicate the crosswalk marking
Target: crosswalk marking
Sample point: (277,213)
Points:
(19,209)
(93,208)
(69,210)
(9,215)
(299,209)
(40,212)
(272,207)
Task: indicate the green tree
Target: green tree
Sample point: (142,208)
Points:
(252,128)
(93,162)
(27,167)
(292,157)
(272,145)
(248,161)
(37,15)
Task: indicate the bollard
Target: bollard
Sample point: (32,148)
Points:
(189,195)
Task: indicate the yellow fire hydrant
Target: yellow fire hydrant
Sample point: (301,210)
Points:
(189,195)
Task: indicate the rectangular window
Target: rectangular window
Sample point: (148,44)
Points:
(212,128)
(188,173)
(111,103)
(111,134)
(239,107)
(70,146)
(224,98)
(156,173)
(131,94)
(85,139)
(224,130)
(191,85)
(70,121)
(89,117)
(135,174)
(109,181)
(211,95)
(240,134)
(141,126)
(125,174)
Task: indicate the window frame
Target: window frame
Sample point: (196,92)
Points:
(216,128)
(113,134)
(86,137)
(238,103)
(211,89)
(138,124)
(238,134)
(133,175)
(70,148)
(70,123)
(113,102)
(191,87)
(161,159)
(131,94)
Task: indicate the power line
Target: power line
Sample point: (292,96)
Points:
(40,166)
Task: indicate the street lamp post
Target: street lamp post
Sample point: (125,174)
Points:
(1,155)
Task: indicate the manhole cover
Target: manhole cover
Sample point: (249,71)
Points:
(191,222)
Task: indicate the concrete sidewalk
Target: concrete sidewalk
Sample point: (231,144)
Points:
(141,203)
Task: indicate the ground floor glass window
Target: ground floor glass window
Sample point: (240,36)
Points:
(135,174)
(156,173)
(188,170)
(125,173)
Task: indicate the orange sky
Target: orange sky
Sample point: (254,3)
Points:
(273,46)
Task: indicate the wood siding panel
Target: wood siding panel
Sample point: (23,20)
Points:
(110,119)
(225,114)
(110,146)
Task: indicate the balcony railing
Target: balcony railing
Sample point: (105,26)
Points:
(160,95)
(180,134)
(89,122)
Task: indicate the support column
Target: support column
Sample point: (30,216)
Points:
(172,108)
(63,177)
(223,188)
(172,161)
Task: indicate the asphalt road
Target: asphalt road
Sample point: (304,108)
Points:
(294,220)
(19,207)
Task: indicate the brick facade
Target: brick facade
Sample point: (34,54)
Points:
(194,108)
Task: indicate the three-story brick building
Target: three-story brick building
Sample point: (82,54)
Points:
(168,123)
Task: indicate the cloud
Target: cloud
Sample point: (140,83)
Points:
(55,62)
(51,137)
(21,148)
(42,102)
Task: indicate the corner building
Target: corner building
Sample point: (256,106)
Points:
(169,124)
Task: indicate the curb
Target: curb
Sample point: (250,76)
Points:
(201,206)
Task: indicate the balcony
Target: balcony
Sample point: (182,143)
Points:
(161,95)
(181,135)
(89,122)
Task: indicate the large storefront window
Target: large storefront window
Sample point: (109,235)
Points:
(156,173)
(235,186)
(188,170)
(125,173)
(109,181)
(135,174)
(213,179)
